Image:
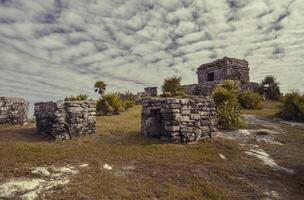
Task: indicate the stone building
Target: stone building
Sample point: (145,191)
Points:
(65,119)
(176,120)
(151,91)
(13,110)
(212,74)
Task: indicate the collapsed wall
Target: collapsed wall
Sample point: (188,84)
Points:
(176,120)
(13,110)
(65,119)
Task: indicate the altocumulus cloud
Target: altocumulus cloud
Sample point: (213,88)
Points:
(54,48)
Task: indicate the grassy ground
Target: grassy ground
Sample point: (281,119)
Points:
(150,169)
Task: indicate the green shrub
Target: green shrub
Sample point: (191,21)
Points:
(110,104)
(228,108)
(129,104)
(222,95)
(229,116)
(80,97)
(293,106)
(250,100)
(231,86)
(172,87)
(272,91)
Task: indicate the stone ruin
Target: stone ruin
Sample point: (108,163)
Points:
(151,91)
(210,75)
(13,110)
(65,119)
(176,120)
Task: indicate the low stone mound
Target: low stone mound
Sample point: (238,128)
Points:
(13,110)
(177,120)
(65,119)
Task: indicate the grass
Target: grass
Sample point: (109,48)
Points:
(161,170)
(269,110)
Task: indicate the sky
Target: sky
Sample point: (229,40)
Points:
(55,48)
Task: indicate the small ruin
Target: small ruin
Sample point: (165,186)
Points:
(65,119)
(177,120)
(151,91)
(13,110)
(213,74)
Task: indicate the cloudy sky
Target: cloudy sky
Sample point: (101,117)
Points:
(54,48)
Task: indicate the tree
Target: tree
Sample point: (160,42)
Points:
(172,86)
(270,88)
(100,87)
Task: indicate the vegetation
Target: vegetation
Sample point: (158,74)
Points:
(228,108)
(293,106)
(270,88)
(110,103)
(100,87)
(80,97)
(221,96)
(229,116)
(250,100)
(231,86)
(139,163)
(172,87)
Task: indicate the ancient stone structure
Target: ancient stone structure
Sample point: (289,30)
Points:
(213,74)
(13,110)
(176,120)
(65,119)
(151,91)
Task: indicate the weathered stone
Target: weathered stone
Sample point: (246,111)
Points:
(168,124)
(210,75)
(13,110)
(65,119)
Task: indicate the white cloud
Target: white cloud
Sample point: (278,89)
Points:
(54,48)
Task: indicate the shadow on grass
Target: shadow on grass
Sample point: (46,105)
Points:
(20,134)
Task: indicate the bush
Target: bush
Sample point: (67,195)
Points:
(293,106)
(228,108)
(231,86)
(221,96)
(80,97)
(272,92)
(110,104)
(250,100)
(172,87)
(229,116)
(129,104)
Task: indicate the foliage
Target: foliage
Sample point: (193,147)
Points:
(128,96)
(272,92)
(222,95)
(231,86)
(229,116)
(80,97)
(250,100)
(129,104)
(110,104)
(293,106)
(172,87)
(100,87)
(228,109)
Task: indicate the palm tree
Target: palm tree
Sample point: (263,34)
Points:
(100,87)
(270,88)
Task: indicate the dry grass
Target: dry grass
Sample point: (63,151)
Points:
(269,109)
(142,168)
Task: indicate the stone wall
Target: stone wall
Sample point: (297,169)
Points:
(151,91)
(176,120)
(13,110)
(65,119)
(224,69)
